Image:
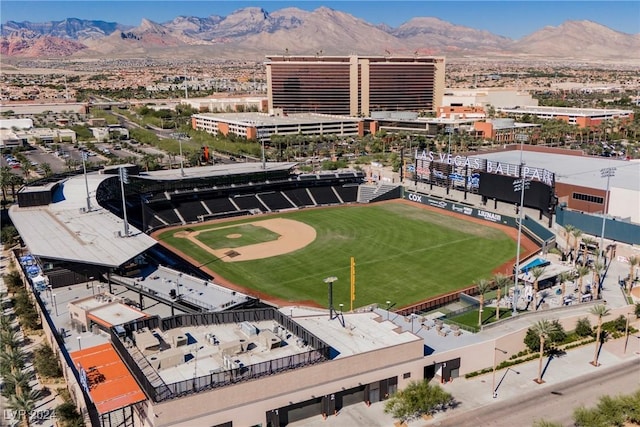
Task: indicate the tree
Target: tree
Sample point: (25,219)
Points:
(576,233)
(46,362)
(24,404)
(536,272)
(69,415)
(16,383)
(583,327)
(501,280)
(633,261)
(599,310)
(586,242)
(46,169)
(598,269)
(582,271)
(417,399)
(5,181)
(482,286)
(563,278)
(543,329)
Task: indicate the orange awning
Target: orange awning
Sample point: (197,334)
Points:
(109,382)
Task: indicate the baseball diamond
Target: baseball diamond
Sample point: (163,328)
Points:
(403,252)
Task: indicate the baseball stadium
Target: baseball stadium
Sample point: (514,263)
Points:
(237,245)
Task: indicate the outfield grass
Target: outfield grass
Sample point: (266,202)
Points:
(403,254)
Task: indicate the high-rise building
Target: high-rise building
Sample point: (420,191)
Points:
(354,85)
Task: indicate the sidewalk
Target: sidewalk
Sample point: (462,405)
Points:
(517,380)
(44,409)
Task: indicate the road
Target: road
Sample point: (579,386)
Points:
(553,404)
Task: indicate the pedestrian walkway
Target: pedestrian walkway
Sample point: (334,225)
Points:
(518,380)
(44,410)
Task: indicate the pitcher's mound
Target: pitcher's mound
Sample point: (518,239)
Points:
(233,236)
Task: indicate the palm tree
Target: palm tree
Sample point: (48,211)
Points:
(8,337)
(13,359)
(568,229)
(582,271)
(500,280)
(586,242)
(24,404)
(563,278)
(633,261)
(598,269)
(482,286)
(536,272)
(543,329)
(599,310)
(18,382)
(5,181)
(576,233)
(46,169)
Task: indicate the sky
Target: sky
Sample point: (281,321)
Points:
(510,18)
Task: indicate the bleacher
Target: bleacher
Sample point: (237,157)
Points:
(165,205)
(190,210)
(220,205)
(366,193)
(275,201)
(348,193)
(164,213)
(324,195)
(299,196)
(248,202)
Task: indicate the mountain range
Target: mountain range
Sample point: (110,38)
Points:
(251,33)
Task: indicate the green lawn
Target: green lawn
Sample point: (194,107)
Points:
(470,318)
(403,254)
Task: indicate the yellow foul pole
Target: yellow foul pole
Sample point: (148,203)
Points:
(353,281)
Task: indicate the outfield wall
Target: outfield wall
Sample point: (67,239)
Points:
(460,208)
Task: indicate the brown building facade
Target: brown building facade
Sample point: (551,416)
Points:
(354,85)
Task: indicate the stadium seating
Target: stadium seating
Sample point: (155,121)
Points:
(348,193)
(275,201)
(190,210)
(299,196)
(324,195)
(248,201)
(220,205)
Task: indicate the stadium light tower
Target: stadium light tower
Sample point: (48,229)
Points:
(519,185)
(329,281)
(124,179)
(605,173)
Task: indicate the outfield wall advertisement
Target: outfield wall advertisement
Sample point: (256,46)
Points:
(460,208)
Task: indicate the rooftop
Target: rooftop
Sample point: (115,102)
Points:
(72,233)
(575,170)
(215,170)
(262,119)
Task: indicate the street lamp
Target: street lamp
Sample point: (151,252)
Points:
(55,303)
(329,281)
(495,361)
(181,158)
(79,342)
(388,307)
(449,130)
(626,333)
(608,173)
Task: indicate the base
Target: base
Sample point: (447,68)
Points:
(594,364)
(539,381)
